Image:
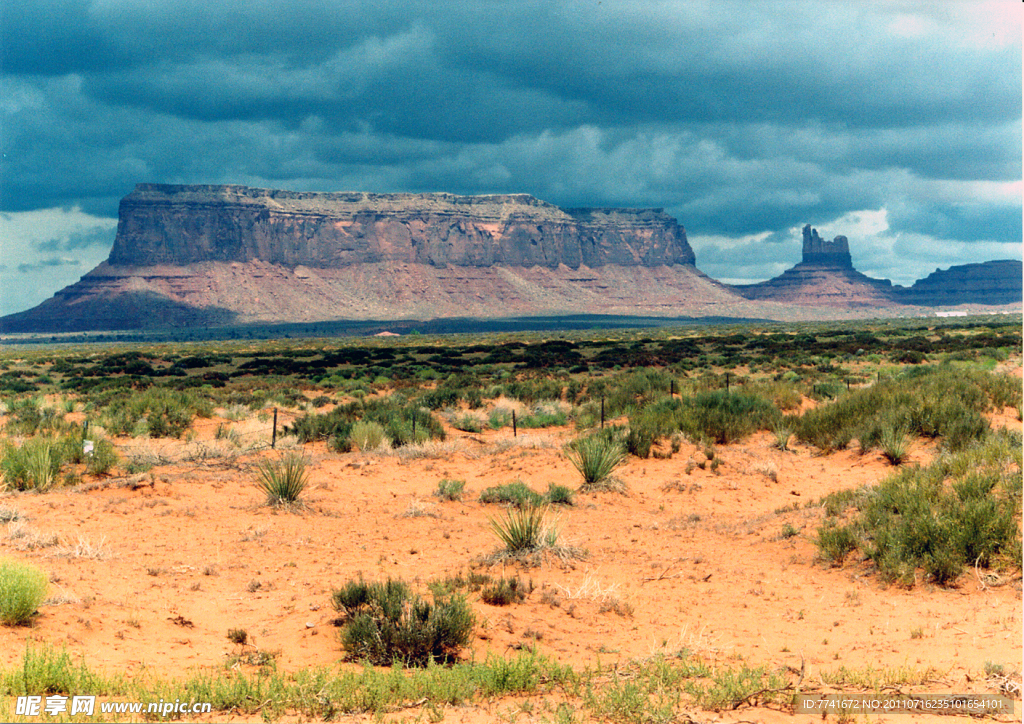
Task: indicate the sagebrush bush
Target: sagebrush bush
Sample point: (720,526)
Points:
(282,480)
(835,542)
(931,401)
(157,411)
(506,591)
(516,493)
(596,457)
(963,509)
(449,489)
(558,495)
(367,436)
(384,623)
(22,590)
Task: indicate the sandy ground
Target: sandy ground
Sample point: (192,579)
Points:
(152,571)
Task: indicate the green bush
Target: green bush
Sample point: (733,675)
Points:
(596,457)
(558,495)
(506,591)
(33,466)
(963,509)
(384,623)
(467,423)
(448,489)
(103,457)
(282,480)
(931,401)
(158,411)
(836,542)
(639,441)
(22,590)
(367,436)
(517,494)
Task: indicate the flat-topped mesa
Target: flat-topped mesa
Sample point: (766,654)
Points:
(163,224)
(817,251)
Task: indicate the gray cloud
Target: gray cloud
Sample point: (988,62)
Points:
(740,118)
(46,264)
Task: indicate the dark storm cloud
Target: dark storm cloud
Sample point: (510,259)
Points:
(740,118)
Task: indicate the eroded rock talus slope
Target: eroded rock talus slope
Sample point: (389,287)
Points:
(189,255)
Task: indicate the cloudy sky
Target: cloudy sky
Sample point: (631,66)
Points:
(897,124)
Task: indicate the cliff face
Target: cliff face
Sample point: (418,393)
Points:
(991,282)
(190,224)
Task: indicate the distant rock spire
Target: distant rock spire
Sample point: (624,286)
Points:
(817,251)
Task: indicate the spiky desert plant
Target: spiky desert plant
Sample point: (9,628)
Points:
(596,457)
(282,480)
(522,530)
(895,444)
(22,589)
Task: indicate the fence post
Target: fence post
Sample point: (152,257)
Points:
(672,388)
(414,428)
(602,412)
(726,381)
(514,432)
(273,439)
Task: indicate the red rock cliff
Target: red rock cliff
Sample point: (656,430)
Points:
(162,224)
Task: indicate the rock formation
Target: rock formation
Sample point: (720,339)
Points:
(190,256)
(824,276)
(193,255)
(990,283)
(187,224)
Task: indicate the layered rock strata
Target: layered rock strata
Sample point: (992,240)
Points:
(181,225)
(991,283)
(824,276)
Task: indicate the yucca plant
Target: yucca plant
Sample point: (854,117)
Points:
(524,529)
(895,444)
(596,457)
(282,480)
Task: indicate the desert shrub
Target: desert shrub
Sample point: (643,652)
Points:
(33,466)
(782,433)
(158,411)
(505,591)
(467,423)
(282,480)
(384,623)
(500,417)
(639,441)
(517,494)
(558,495)
(543,415)
(522,530)
(404,423)
(103,457)
(330,425)
(449,489)
(367,435)
(28,416)
(22,590)
(836,542)
(725,417)
(931,401)
(962,509)
(596,457)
